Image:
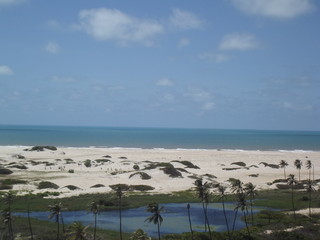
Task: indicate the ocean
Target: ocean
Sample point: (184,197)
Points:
(169,138)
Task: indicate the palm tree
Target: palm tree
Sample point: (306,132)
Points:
(242,204)
(292,182)
(139,235)
(7,219)
(56,210)
(222,190)
(309,167)
(298,165)
(156,217)
(188,207)
(202,190)
(119,191)
(77,232)
(283,164)
(310,189)
(236,187)
(7,200)
(29,220)
(252,193)
(94,208)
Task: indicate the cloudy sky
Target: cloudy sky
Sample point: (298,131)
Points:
(240,64)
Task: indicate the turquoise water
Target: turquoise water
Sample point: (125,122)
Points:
(173,213)
(159,138)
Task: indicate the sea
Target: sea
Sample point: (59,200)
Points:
(167,138)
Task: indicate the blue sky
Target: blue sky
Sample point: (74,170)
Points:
(240,64)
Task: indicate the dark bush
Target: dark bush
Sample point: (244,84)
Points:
(187,164)
(4,171)
(72,187)
(19,166)
(97,186)
(242,164)
(46,184)
(42,148)
(171,171)
(136,167)
(70,171)
(143,175)
(87,163)
(141,187)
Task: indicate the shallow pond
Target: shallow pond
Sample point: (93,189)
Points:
(175,217)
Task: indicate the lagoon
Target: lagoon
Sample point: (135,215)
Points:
(175,217)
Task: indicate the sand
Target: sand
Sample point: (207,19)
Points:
(55,166)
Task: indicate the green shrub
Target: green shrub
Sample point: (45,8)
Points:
(19,166)
(143,175)
(46,184)
(141,187)
(136,167)
(97,186)
(42,148)
(70,171)
(171,171)
(72,187)
(4,171)
(87,163)
(187,164)
(242,164)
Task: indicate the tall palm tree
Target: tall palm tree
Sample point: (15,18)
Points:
(77,232)
(188,207)
(236,187)
(310,189)
(292,181)
(222,189)
(156,217)
(203,193)
(7,218)
(95,209)
(119,191)
(298,165)
(29,220)
(283,164)
(56,211)
(251,191)
(8,200)
(309,167)
(242,204)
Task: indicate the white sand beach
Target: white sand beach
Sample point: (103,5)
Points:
(115,165)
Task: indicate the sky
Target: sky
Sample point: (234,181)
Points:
(222,64)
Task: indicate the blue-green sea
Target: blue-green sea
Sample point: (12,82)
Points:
(171,138)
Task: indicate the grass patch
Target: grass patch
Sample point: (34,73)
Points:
(5,171)
(230,169)
(254,175)
(102,160)
(143,175)
(97,186)
(187,164)
(71,187)
(19,166)
(42,148)
(46,184)
(241,164)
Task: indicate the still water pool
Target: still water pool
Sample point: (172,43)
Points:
(175,217)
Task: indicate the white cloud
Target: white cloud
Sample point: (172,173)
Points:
(298,107)
(208,106)
(111,24)
(183,42)
(164,82)
(10,2)
(199,95)
(239,41)
(62,79)
(52,47)
(5,70)
(274,8)
(214,57)
(185,20)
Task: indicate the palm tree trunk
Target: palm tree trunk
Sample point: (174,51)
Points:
(284,171)
(245,220)
(225,217)
(63,230)
(190,221)
(120,216)
(29,223)
(205,219)
(158,230)
(310,205)
(294,211)
(58,233)
(251,210)
(234,220)
(95,226)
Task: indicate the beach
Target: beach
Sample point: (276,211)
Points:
(93,170)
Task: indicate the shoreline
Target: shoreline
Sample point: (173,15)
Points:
(111,166)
